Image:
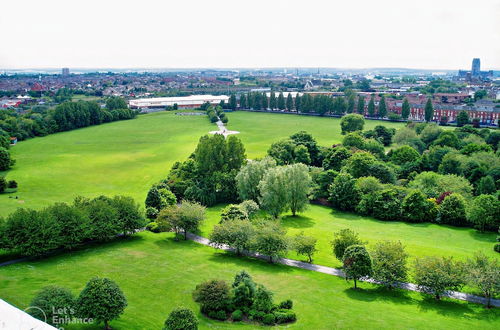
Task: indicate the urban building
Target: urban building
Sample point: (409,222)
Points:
(65,72)
(475,73)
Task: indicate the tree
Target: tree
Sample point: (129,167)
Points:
(382,107)
(281,102)
(212,295)
(371,106)
(335,158)
(357,263)
(131,218)
(274,193)
(233,212)
(343,192)
(235,153)
(428,110)
(116,102)
(248,178)
(237,234)
(232,102)
(462,118)
(351,123)
(305,245)
(5,161)
(452,210)
(57,304)
(351,101)
(404,154)
(243,101)
(435,275)
(191,216)
(159,198)
(271,240)
(389,263)
(181,319)
(359,164)
(264,101)
(72,224)
(361,105)
(342,240)
(387,204)
(101,300)
(417,208)
(3,184)
(282,151)
(486,186)
(484,274)
(272,101)
(297,102)
(289,102)
(104,223)
(298,184)
(354,140)
(405,109)
(484,212)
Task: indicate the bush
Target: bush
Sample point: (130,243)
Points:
(151,213)
(237,315)
(3,184)
(218,315)
(286,304)
(153,227)
(255,315)
(12,184)
(50,299)
(212,295)
(284,316)
(496,248)
(269,319)
(181,319)
(342,240)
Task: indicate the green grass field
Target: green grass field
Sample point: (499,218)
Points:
(158,274)
(126,157)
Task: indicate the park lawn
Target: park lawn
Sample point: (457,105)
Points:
(259,130)
(123,157)
(81,97)
(158,274)
(420,240)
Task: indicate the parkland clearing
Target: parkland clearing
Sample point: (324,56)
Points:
(347,177)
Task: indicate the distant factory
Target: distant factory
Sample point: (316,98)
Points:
(192,101)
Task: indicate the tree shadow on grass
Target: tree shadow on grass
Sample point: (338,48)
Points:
(380,293)
(450,307)
(225,257)
(170,243)
(484,237)
(298,221)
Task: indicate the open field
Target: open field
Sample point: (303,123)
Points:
(126,157)
(123,157)
(158,274)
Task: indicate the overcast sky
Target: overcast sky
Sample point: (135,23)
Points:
(430,34)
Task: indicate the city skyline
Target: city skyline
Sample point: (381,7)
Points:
(192,34)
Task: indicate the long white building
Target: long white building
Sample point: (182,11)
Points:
(192,101)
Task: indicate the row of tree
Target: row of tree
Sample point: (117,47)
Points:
(63,226)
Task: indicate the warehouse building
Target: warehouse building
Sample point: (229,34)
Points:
(192,101)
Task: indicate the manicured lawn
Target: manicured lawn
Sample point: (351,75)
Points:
(123,157)
(158,274)
(260,130)
(420,239)
(126,157)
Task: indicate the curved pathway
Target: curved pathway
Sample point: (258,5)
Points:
(338,272)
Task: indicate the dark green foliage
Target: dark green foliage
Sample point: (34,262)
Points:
(284,316)
(357,263)
(353,140)
(5,161)
(269,319)
(102,300)
(351,123)
(484,212)
(129,215)
(447,138)
(72,224)
(237,315)
(213,295)
(342,240)
(382,107)
(493,139)
(462,118)
(381,133)
(286,304)
(57,304)
(389,263)
(429,110)
(336,158)
(417,208)
(387,205)
(263,301)
(404,154)
(486,186)
(452,210)
(405,110)
(496,248)
(344,193)
(3,184)
(181,319)
(104,222)
(116,102)
(270,240)
(371,106)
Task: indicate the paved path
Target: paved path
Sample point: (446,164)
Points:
(222,130)
(338,272)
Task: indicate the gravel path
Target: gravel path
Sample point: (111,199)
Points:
(338,272)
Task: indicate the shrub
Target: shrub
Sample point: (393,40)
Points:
(212,295)
(12,184)
(452,210)
(496,248)
(233,212)
(269,319)
(263,300)
(237,315)
(284,316)
(153,227)
(3,184)
(181,319)
(249,207)
(218,315)
(50,299)
(255,315)
(151,213)
(286,304)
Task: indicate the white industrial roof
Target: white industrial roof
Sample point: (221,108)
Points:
(12,318)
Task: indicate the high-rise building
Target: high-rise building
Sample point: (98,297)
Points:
(65,72)
(476,67)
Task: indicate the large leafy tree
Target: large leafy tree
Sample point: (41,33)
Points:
(382,107)
(281,102)
(344,194)
(361,105)
(270,240)
(5,160)
(289,102)
(452,210)
(101,300)
(55,302)
(298,184)
(274,193)
(389,262)
(484,212)
(357,263)
(405,109)
(484,274)
(342,240)
(351,123)
(237,234)
(428,110)
(436,275)
(250,175)
(305,245)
